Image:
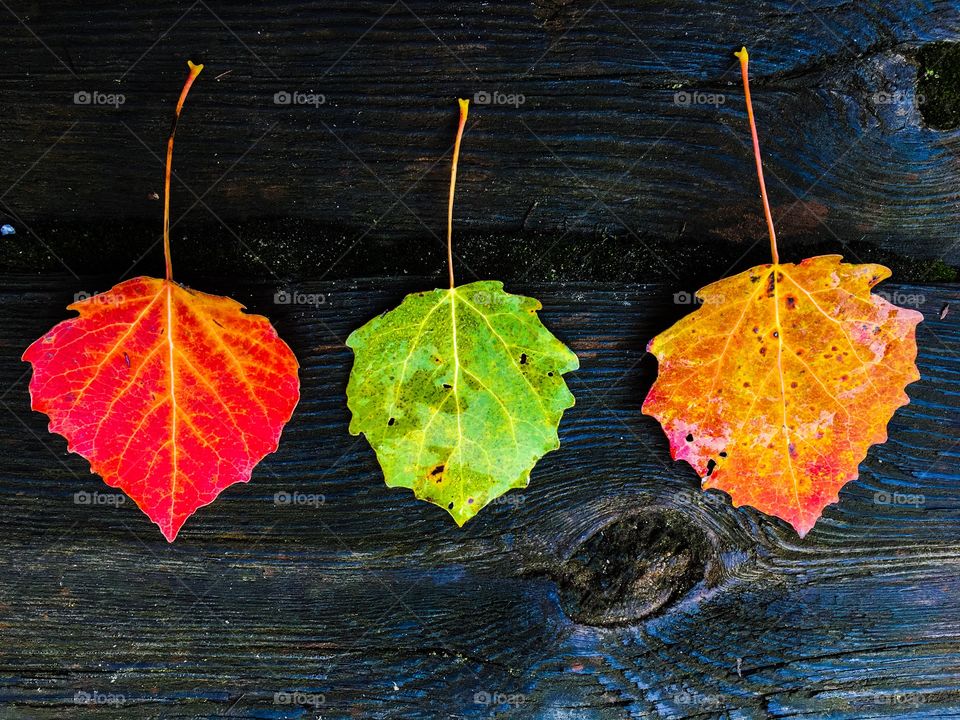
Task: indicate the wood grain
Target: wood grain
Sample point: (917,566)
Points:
(378,606)
(602,147)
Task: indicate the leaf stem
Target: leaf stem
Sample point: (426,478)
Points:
(194,71)
(744,59)
(464,108)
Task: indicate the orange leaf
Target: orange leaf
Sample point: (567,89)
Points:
(776,387)
(171,394)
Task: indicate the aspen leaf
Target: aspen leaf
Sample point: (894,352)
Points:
(775,388)
(460,390)
(171,394)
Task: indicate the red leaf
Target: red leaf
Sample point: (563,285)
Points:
(171,394)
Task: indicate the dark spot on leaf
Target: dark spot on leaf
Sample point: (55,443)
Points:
(771,285)
(391,421)
(126,359)
(756,329)
(791,302)
(216,323)
(523,358)
(793,450)
(763,350)
(437,470)
(754,278)
(793,384)
(723,453)
(469,501)
(689,437)
(746,384)
(550,374)
(711,464)
(450,506)
(448,387)
(776,334)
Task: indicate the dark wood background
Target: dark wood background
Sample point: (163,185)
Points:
(610,588)
(600,154)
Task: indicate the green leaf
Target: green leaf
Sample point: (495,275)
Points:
(459,392)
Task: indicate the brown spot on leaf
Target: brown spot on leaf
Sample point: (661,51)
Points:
(771,285)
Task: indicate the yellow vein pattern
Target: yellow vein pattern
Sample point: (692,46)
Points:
(775,389)
(171,394)
(459,404)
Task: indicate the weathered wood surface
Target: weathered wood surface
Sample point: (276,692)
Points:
(610,588)
(600,147)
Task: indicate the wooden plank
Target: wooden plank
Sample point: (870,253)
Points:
(610,588)
(601,148)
